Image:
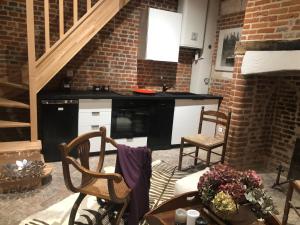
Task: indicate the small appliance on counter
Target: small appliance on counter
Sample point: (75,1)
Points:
(102,88)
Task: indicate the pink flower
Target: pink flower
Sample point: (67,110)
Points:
(251,179)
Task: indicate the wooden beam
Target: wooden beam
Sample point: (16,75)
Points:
(88,4)
(75,11)
(30,32)
(31,68)
(61,19)
(269,45)
(47,28)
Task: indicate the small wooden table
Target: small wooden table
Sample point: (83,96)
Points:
(165,213)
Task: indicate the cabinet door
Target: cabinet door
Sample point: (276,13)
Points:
(163,37)
(187,117)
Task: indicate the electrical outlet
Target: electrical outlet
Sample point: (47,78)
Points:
(70,73)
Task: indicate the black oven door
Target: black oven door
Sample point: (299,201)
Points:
(130,118)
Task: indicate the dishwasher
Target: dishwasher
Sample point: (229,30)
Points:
(58,123)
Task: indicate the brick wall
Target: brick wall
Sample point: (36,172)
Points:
(265,120)
(13,46)
(110,58)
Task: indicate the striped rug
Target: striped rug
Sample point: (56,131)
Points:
(163,181)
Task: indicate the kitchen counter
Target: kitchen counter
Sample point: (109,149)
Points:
(60,95)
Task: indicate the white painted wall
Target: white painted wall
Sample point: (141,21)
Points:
(201,69)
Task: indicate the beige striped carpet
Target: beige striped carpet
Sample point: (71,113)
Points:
(163,181)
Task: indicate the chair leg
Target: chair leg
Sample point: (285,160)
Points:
(208,157)
(223,154)
(196,156)
(287,204)
(180,154)
(120,214)
(75,208)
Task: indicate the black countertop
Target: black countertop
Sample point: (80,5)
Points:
(68,95)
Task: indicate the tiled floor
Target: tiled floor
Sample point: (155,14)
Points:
(16,207)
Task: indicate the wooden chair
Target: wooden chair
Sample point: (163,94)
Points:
(204,142)
(293,185)
(109,187)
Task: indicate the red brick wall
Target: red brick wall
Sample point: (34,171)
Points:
(110,58)
(271,20)
(286,122)
(265,118)
(13,45)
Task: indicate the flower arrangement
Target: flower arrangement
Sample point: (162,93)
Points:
(225,189)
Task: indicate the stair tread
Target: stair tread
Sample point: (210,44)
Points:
(14,85)
(11,124)
(18,146)
(12,104)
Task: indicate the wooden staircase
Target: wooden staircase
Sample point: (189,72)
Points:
(43,69)
(17,150)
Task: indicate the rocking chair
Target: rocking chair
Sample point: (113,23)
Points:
(109,187)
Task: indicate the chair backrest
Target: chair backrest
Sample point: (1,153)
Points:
(216,117)
(81,147)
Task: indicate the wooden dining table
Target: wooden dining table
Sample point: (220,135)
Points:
(165,213)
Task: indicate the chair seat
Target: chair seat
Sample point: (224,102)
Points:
(99,188)
(203,140)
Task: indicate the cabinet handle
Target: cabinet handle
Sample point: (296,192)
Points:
(95,127)
(95,113)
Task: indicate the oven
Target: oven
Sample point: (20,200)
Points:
(130,118)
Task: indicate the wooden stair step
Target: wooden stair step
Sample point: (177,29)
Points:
(14,85)
(12,124)
(19,146)
(12,104)
(19,150)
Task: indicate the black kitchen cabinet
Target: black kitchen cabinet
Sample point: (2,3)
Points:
(161,122)
(58,124)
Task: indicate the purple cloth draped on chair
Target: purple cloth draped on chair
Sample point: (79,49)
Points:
(134,164)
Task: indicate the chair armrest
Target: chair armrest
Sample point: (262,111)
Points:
(109,176)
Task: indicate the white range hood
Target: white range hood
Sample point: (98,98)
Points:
(260,62)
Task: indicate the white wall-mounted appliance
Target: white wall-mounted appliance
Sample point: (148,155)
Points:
(194,14)
(159,35)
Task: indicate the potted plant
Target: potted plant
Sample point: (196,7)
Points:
(235,195)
